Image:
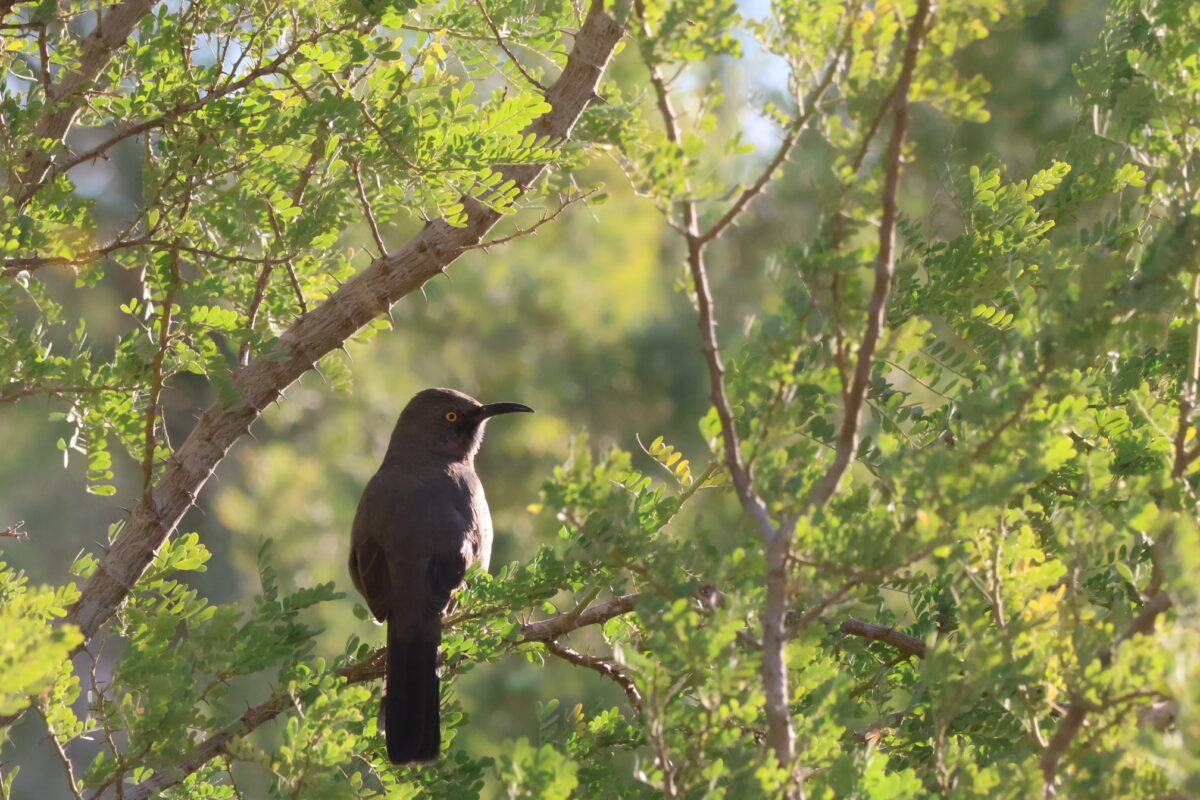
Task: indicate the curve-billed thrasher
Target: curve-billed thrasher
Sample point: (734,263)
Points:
(421,522)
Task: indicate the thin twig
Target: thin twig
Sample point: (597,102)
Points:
(56,391)
(885,264)
(605,668)
(526,231)
(500,41)
(814,612)
(295,281)
(791,136)
(12,266)
(156,378)
(368,212)
(260,291)
(14,531)
(62,756)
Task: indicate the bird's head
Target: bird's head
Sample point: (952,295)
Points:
(447,423)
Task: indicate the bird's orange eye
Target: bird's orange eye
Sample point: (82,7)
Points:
(451,416)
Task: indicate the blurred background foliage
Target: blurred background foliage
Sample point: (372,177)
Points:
(582,321)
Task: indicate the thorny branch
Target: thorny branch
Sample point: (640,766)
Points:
(319,331)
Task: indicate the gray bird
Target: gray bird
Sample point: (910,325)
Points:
(421,522)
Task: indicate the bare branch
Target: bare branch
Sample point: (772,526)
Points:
(909,645)
(605,668)
(320,331)
(885,263)
(62,757)
(14,531)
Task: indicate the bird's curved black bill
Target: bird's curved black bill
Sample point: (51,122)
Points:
(492,409)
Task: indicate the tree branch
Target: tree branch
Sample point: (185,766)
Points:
(777,543)
(319,331)
(909,645)
(553,215)
(608,670)
(156,378)
(790,137)
(885,263)
(1187,392)
(66,98)
(369,669)
(1068,728)
(13,266)
(500,41)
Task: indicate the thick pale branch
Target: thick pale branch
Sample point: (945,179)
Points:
(320,331)
(885,263)
(369,669)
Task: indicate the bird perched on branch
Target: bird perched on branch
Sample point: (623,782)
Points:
(421,522)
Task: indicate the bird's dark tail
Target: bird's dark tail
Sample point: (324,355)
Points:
(411,703)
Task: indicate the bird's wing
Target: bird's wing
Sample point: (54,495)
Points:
(412,542)
(368,561)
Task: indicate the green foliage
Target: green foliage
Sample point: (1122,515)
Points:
(33,651)
(1021,500)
